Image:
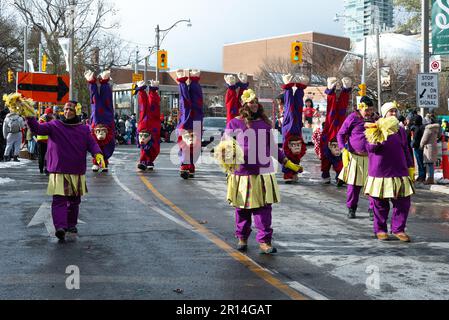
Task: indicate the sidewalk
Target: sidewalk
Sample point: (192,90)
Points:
(441,187)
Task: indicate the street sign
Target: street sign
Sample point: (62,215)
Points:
(427,91)
(440,28)
(137,77)
(44,87)
(435,64)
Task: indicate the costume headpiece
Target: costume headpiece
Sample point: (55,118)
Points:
(248,96)
(16,103)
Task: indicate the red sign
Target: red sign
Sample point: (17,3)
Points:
(43,87)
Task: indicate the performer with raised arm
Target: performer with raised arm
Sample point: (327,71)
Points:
(190,123)
(233,96)
(69,141)
(149,127)
(102,118)
(337,105)
(294,146)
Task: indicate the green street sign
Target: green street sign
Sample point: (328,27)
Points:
(440,27)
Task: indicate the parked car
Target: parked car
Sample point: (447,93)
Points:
(213,128)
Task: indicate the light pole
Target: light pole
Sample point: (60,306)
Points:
(337,19)
(158,39)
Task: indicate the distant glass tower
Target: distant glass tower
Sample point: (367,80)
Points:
(367,12)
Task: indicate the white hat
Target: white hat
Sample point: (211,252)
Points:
(387,107)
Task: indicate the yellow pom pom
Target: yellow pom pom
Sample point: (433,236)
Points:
(248,96)
(229,155)
(384,128)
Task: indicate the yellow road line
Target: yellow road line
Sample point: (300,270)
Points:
(243,259)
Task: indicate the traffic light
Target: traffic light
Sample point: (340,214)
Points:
(10,76)
(362,88)
(162,60)
(296,53)
(44,63)
(133,89)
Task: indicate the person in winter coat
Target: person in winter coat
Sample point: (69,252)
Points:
(12,131)
(418,132)
(3,114)
(430,150)
(42,141)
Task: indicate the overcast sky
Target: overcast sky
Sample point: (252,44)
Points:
(219,22)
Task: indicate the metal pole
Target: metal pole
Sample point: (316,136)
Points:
(25,50)
(71,53)
(145,70)
(158,38)
(425,42)
(136,71)
(364,61)
(379,83)
(41,52)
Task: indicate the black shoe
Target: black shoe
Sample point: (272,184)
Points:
(340,183)
(142,167)
(16,159)
(185,175)
(7,159)
(60,234)
(72,230)
(351,213)
(371,214)
(47,173)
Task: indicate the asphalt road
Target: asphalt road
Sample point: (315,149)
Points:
(156,236)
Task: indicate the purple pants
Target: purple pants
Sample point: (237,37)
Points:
(401,208)
(262,220)
(65,211)
(352,201)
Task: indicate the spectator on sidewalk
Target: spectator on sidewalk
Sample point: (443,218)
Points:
(429,145)
(309,113)
(12,131)
(3,114)
(418,132)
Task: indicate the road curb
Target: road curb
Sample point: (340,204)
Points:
(440,189)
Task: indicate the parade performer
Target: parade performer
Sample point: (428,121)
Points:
(190,123)
(391,173)
(233,98)
(352,141)
(68,143)
(102,118)
(246,155)
(293,145)
(336,114)
(149,126)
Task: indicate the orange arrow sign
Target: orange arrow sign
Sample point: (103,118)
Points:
(43,87)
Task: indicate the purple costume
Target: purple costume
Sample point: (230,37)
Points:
(352,138)
(190,119)
(103,113)
(390,159)
(67,149)
(258,146)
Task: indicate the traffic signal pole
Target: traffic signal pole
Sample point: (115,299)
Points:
(158,39)
(425,41)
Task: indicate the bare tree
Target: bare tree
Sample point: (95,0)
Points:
(10,48)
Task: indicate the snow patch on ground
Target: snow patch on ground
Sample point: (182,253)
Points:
(12,164)
(5,180)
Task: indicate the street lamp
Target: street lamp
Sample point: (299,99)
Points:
(337,19)
(158,39)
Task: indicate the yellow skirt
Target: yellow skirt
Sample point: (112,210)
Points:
(356,173)
(252,192)
(389,188)
(68,185)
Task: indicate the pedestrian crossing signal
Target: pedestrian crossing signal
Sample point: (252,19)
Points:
(10,76)
(162,60)
(296,53)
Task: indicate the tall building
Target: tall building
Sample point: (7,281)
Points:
(367,13)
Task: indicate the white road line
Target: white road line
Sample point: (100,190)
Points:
(306,291)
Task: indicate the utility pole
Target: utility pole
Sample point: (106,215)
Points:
(71,50)
(136,71)
(25,49)
(425,41)
(158,39)
(379,82)
(41,52)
